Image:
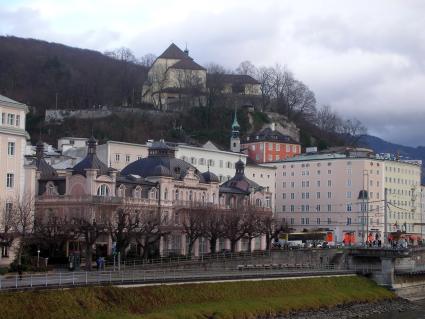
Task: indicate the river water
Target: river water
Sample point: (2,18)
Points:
(418,313)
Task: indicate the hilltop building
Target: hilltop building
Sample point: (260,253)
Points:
(175,79)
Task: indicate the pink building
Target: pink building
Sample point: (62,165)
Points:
(321,191)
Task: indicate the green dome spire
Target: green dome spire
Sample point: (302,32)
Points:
(235,125)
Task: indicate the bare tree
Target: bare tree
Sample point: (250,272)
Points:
(352,130)
(247,68)
(291,97)
(252,224)
(7,224)
(149,230)
(190,85)
(122,225)
(265,77)
(192,226)
(52,233)
(212,227)
(122,54)
(234,226)
(89,231)
(147,60)
(23,209)
(157,79)
(327,120)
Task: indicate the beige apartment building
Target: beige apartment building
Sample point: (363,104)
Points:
(325,191)
(13,138)
(17,180)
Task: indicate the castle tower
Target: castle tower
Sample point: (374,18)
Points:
(235,142)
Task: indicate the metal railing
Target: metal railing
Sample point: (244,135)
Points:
(140,276)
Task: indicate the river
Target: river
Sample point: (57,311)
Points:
(417,313)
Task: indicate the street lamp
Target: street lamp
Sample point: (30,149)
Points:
(38,258)
(364,196)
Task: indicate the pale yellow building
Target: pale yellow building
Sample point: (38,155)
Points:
(403,182)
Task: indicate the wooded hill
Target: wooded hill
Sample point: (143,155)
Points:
(45,75)
(36,72)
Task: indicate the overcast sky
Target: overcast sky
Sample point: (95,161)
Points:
(364,58)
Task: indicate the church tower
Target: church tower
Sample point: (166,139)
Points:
(235,142)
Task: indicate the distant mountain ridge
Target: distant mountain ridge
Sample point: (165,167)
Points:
(381,146)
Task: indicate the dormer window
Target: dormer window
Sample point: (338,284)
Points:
(103,190)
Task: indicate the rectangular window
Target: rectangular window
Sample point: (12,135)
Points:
(18,120)
(288,148)
(329,183)
(3,118)
(302,221)
(270,146)
(329,221)
(348,220)
(284,184)
(277,147)
(318,208)
(292,208)
(307,221)
(349,183)
(221,162)
(307,208)
(292,195)
(349,207)
(318,195)
(348,194)
(117,157)
(318,221)
(10,180)
(127,158)
(284,195)
(329,207)
(292,221)
(318,183)
(283,208)
(329,194)
(11,148)
(10,119)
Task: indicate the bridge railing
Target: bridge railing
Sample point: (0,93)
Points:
(140,276)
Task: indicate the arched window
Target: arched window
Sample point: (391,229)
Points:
(177,194)
(137,192)
(258,202)
(190,195)
(121,191)
(166,194)
(103,190)
(50,189)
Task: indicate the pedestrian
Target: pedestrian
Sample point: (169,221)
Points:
(98,263)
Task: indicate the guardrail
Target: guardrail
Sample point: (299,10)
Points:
(73,279)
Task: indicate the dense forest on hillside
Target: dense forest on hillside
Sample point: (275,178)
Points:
(37,72)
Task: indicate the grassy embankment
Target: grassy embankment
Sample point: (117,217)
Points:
(247,299)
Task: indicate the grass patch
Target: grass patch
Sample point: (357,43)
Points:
(246,299)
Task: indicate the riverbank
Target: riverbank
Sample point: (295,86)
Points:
(244,299)
(356,310)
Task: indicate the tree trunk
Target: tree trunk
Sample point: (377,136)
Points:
(89,253)
(233,245)
(213,244)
